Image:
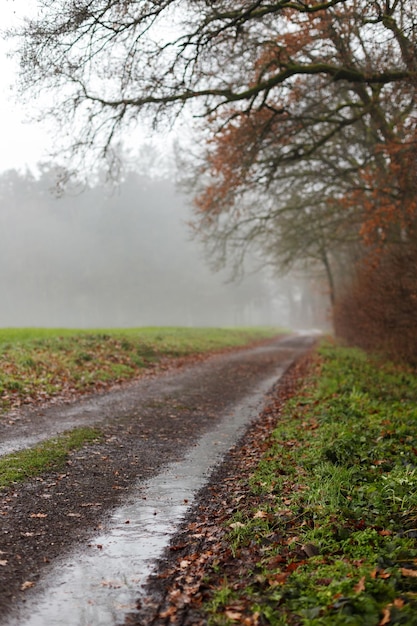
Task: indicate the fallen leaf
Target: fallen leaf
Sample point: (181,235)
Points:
(380,573)
(409,572)
(3,563)
(233,615)
(310,549)
(398,603)
(169,612)
(291,540)
(260,515)
(235,525)
(278,579)
(27,585)
(385,533)
(39,515)
(360,586)
(179,546)
(291,567)
(386,617)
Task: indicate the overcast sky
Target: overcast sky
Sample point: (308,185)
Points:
(25,142)
(22,143)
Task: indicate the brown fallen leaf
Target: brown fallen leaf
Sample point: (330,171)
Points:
(233,615)
(360,586)
(409,572)
(310,549)
(3,563)
(179,546)
(168,613)
(39,515)
(276,560)
(398,603)
(278,579)
(380,573)
(235,525)
(27,585)
(386,617)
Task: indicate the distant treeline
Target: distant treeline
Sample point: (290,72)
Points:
(121,258)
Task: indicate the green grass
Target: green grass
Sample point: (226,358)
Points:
(38,363)
(332,520)
(49,455)
(176,335)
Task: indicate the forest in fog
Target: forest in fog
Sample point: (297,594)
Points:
(121,257)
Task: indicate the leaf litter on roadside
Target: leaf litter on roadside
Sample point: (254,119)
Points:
(320,532)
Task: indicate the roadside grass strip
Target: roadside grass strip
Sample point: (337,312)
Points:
(329,534)
(49,455)
(37,364)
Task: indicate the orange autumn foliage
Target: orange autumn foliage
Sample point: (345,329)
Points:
(378,311)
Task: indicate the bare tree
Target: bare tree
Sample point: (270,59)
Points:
(107,61)
(305,108)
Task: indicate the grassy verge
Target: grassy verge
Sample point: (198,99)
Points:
(49,455)
(329,534)
(36,364)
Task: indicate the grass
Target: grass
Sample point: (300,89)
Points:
(47,456)
(38,363)
(331,524)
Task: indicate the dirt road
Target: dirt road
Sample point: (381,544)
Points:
(147,426)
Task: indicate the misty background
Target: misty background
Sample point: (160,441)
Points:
(123,257)
(97,258)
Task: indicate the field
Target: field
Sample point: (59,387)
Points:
(39,363)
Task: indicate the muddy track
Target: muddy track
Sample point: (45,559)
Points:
(175,592)
(146,425)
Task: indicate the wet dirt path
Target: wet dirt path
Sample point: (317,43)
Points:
(176,426)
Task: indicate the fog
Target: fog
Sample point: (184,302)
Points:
(126,258)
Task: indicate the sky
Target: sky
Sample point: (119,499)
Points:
(23,143)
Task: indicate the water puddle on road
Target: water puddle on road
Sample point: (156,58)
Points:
(99,584)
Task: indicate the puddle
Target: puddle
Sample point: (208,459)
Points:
(99,584)
(14,445)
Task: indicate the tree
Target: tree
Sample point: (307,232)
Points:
(306,109)
(108,60)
